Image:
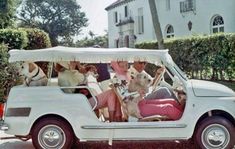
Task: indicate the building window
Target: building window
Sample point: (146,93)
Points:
(169,31)
(217,24)
(168,4)
(187,5)
(126,11)
(115,17)
(140,21)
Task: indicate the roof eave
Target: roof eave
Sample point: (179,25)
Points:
(116,4)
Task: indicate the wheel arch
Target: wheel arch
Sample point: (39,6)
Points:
(216,112)
(52,116)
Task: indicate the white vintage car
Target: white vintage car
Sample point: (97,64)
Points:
(54,119)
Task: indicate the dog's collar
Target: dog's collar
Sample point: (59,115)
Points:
(28,83)
(36,73)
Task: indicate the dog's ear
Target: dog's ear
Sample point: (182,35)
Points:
(31,67)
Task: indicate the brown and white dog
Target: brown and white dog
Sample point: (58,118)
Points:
(34,76)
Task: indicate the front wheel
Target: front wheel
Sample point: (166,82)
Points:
(215,133)
(52,133)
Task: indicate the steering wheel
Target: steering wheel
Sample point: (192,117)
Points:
(158,77)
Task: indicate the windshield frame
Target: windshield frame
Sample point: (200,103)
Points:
(179,71)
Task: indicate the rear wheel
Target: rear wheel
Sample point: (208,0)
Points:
(215,133)
(52,133)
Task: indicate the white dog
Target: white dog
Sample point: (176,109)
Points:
(71,78)
(34,76)
(140,82)
(129,94)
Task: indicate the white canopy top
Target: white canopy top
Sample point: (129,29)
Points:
(89,55)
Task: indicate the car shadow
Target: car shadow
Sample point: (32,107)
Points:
(137,145)
(16,144)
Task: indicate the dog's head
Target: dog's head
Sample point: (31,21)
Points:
(26,68)
(91,70)
(140,81)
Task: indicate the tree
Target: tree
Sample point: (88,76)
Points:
(92,34)
(101,41)
(156,24)
(59,18)
(7,12)
(3,6)
(67,41)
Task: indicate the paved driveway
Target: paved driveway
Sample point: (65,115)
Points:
(14,143)
(18,144)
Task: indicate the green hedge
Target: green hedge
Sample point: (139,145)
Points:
(38,39)
(24,38)
(205,57)
(8,74)
(13,38)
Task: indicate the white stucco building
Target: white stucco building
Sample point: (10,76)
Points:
(129,21)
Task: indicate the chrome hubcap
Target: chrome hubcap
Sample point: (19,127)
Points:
(215,136)
(51,136)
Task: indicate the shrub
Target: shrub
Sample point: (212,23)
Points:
(204,57)
(8,75)
(13,38)
(38,39)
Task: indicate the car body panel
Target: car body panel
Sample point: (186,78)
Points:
(76,109)
(211,89)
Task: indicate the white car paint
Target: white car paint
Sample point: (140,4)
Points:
(202,98)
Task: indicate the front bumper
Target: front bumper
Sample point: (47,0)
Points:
(3,126)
